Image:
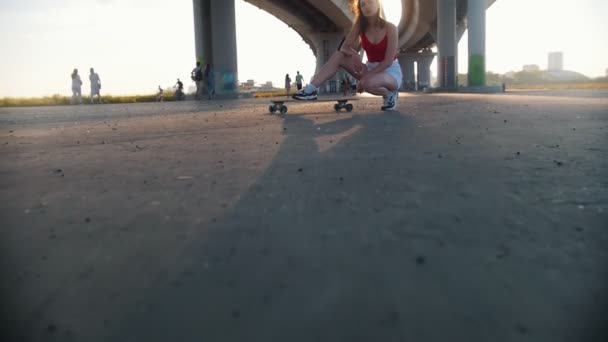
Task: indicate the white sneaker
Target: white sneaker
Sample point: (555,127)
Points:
(308,93)
(385,101)
(391,100)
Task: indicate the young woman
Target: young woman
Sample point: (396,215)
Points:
(95,85)
(76,87)
(287,85)
(381,75)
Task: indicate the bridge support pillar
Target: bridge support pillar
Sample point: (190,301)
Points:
(447,45)
(477,43)
(215,42)
(409,74)
(424,61)
(325,45)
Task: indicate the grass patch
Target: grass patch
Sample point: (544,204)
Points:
(567,86)
(274,93)
(58,100)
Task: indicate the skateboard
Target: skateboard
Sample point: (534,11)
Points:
(341,102)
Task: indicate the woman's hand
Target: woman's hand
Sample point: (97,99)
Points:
(362,84)
(360,69)
(347,51)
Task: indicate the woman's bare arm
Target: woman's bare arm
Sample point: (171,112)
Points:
(351,41)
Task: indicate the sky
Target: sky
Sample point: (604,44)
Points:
(137,45)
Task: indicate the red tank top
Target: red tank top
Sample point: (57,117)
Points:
(375,52)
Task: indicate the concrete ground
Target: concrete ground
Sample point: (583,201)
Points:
(458,218)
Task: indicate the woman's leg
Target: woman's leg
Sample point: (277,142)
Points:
(338,60)
(380,84)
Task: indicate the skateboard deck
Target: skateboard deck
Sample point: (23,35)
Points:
(278,104)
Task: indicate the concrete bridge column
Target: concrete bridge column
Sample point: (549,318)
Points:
(424,60)
(477,42)
(202,29)
(447,46)
(325,45)
(215,42)
(409,74)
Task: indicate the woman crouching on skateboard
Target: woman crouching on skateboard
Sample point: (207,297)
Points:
(381,75)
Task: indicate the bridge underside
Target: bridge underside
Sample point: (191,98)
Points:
(323,23)
(309,18)
(417,28)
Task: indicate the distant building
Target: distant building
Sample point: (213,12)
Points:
(248,86)
(531,67)
(265,87)
(606,72)
(556,61)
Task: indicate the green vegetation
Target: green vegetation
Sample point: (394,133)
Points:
(542,80)
(274,93)
(58,100)
(572,86)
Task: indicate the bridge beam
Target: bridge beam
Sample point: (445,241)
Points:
(215,42)
(477,43)
(447,45)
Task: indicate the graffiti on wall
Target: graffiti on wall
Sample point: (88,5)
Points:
(228,81)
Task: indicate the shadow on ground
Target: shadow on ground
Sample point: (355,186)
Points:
(371,241)
(372,227)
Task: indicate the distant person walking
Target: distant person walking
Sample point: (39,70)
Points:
(160,96)
(197,77)
(179,85)
(179,91)
(353,85)
(209,81)
(299,79)
(287,85)
(345,84)
(95,86)
(76,88)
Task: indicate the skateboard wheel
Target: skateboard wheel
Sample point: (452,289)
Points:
(337,107)
(271,109)
(349,107)
(283,109)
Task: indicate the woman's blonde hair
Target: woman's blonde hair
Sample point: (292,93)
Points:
(363,23)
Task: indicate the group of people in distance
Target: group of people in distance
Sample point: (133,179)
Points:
(204,79)
(77,87)
(299,79)
(198,76)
